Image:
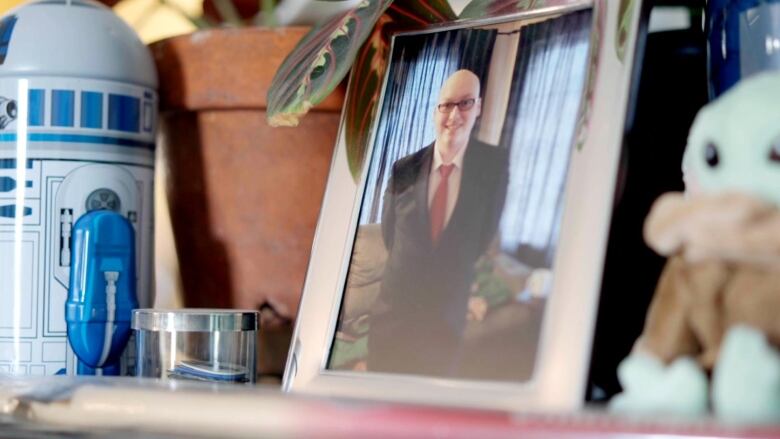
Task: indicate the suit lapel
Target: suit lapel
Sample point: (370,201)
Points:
(421,194)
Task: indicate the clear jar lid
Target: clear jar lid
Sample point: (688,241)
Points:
(195,320)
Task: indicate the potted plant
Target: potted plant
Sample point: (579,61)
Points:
(243,203)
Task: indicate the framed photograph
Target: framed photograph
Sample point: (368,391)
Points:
(464,266)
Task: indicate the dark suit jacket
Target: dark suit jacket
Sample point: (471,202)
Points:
(420,314)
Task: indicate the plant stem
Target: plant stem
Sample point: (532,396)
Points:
(267,9)
(228,12)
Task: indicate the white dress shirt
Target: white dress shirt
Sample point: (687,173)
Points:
(453,181)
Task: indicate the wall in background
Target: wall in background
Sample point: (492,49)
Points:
(152,20)
(8,4)
(155,21)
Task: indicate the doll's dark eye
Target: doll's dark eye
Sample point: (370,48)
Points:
(774,153)
(711,155)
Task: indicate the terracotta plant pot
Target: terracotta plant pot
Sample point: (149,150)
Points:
(244,197)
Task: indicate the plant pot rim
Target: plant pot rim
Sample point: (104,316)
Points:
(226,68)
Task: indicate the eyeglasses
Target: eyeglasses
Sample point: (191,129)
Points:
(464,105)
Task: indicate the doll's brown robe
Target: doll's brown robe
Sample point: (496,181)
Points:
(724,269)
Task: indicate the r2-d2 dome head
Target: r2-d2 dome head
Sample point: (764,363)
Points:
(73,38)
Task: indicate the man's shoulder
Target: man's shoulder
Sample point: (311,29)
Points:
(488,154)
(413,161)
(407,169)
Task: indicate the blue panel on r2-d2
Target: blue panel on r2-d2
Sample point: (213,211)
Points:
(78,109)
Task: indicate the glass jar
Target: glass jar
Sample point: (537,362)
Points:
(217,345)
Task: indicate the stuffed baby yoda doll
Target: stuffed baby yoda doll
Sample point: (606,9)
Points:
(712,333)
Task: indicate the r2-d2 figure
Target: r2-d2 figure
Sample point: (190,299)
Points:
(77,127)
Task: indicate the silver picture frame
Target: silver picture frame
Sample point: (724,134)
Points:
(561,355)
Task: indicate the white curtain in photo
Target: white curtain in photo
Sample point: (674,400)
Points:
(548,84)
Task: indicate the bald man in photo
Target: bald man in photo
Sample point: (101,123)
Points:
(441,212)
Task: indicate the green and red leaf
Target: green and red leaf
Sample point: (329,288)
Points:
(363,95)
(596,51)
(319,62)
(494,8)
(625,18)
(415,13)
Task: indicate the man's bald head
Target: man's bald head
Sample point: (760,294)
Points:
(459,82)
(454,116)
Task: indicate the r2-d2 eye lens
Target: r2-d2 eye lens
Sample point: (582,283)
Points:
(103,199)
(7,108)
(10,109)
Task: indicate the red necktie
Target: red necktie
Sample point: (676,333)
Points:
(439,203)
